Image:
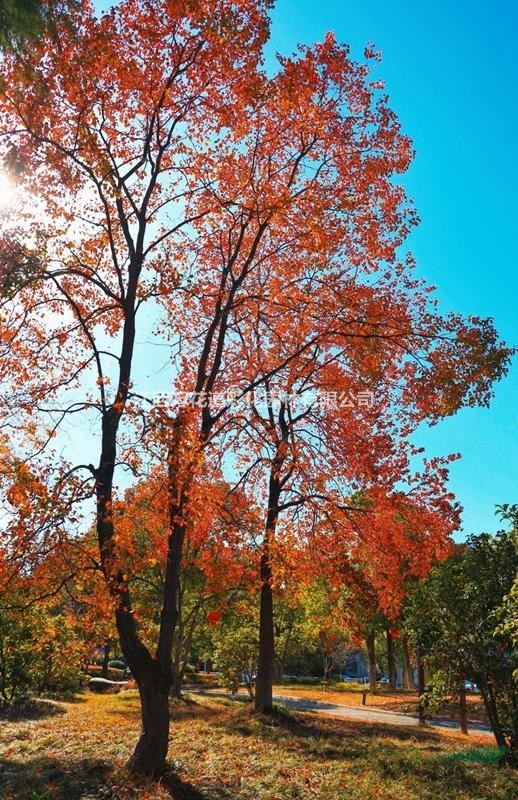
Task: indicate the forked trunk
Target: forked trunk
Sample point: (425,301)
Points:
(151,751)
(371,650)
(492,713)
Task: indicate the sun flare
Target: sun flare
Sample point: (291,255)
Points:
(7,191)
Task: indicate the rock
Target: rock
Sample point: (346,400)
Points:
(104,686)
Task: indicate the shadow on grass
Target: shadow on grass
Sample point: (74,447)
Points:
(54,779)
(68,697)
(31,710)
(51,779)
(304,726)
(388,751)
(179,789)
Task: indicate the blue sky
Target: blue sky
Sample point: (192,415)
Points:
(451,72)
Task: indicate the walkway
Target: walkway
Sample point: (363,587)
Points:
(363,713)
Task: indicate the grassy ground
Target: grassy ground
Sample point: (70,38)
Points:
(219,751)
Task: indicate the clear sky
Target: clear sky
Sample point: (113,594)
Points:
(450,68)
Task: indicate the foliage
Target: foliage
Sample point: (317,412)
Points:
(455,616)
(508,614)
(39,652)
(257,219)
(19,20)
(236,646)
(115,664)
(22,21)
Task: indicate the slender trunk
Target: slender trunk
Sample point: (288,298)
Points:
(420,681)
(463,708)
(278,671)
(176,680)
(492,713)
(408,671)
(371,650)
(106,658)
(264,684)
(391,661)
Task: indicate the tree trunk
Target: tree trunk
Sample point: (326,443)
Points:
(151,751)
(408,671)
(106,658)
(371,650)
(391,661)
(463,709)
(492,713)
(264,683)
(176,681)
(263,702)
(420,681)
(278,672)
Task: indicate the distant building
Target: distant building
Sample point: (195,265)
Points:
(355,665)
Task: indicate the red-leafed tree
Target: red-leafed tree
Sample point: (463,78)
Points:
(168,172)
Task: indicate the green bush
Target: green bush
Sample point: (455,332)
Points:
(306,680)
(117,664)
(39,652)
(116,674)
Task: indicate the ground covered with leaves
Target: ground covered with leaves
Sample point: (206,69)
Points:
(219,750)
(386,699)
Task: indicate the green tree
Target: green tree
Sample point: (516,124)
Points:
(456,617)
(236,645)
(24,20)
(20,20)
(40,651)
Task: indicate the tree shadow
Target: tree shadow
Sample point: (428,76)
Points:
(51,778)
(75,698)
(180,789)
(327,738)
(31,710)
(47,778)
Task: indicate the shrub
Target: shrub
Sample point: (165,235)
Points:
(117,664)
(39,652)
(116,674)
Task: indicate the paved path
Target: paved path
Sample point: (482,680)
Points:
(373,714)
(355,712)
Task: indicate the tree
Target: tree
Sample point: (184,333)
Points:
(41,647)
(453,616)
(174,175)
(236,645)
(23,21)
(109,144)
(19,19)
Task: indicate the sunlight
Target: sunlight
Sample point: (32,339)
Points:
(7,191)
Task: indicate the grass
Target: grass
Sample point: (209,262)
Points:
(221,751)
